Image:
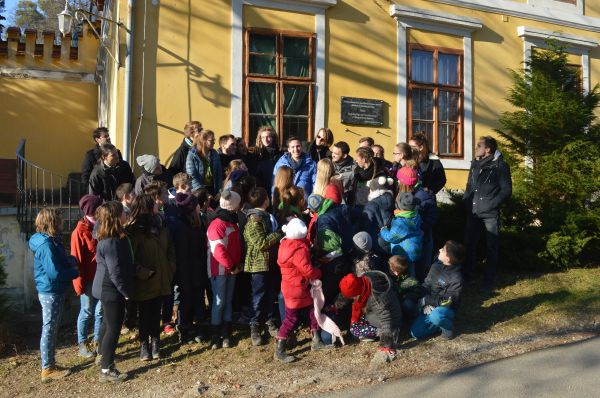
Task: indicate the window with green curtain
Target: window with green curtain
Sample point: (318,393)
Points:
(279,77)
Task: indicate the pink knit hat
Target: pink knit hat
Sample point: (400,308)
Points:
(407,176)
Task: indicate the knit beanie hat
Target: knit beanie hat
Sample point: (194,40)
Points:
(148,162)
(89,204)
(405,201)
(407,176)
(295,229)
(362,241)
(186,201)
(314,202)
(351,286)
(237,175)
(230,200)
(333,191)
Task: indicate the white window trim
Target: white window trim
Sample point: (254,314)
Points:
(315,7)
(580,45)
(577,8)
(555,15)
(433,21)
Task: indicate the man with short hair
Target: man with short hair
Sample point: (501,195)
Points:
(366,142)
(227,150)
(191,129)
(488,186)
(101,136)
(305,169)
(379,152)
(343,164)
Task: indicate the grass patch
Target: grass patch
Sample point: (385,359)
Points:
(533,302)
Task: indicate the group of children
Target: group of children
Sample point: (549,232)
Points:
(282,256)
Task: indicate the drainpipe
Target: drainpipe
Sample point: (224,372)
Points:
(127,82)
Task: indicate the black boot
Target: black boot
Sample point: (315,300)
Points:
(145,351)
(271,327)
(255,335)
(156,348)
(280,353)
(215,342)
(226,333)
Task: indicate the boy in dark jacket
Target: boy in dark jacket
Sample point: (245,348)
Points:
(442,293)
(260,239)
(408,288)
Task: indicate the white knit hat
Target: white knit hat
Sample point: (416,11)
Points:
(295,229)
(230,200)
(148,162)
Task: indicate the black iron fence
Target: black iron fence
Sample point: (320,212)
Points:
(38,188)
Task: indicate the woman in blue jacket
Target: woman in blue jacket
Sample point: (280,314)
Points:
(203,164)
(53,271)
(305,169)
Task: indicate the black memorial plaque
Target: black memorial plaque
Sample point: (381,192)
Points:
(362,111)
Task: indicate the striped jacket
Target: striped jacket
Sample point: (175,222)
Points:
(224,252)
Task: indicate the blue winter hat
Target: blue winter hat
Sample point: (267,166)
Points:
(314,202)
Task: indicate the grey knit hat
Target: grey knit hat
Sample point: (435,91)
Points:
(362,241)
(148,162)
(230,200)
(405,201)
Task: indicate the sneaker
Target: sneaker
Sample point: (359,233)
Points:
(54,373)
(168,329)
(84,352)
(112,376)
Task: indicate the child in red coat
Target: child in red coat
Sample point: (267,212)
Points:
(296,275)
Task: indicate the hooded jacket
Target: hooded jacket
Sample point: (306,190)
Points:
(146,178)
(383,308)
(427,207)
(194,166)
(443,285)
(105,180)
(114,276)
(259,240)
(377,213)
(190,253)
(405,235)
(53,269)
(83,248)
(296,272)
(488,185)
(224,245)
(335,228)
(305,172)
(432,174)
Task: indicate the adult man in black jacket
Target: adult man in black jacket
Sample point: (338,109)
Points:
(179,157)
(91,157)
(489,184)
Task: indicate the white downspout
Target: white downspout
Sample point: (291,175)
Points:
(127,82)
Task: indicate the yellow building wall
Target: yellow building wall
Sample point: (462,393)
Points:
(187,73)
(55,117)
(255,17)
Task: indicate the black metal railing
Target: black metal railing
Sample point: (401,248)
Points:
(38,188)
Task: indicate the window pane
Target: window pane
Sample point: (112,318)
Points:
(448,106)
(257,121)
(448,69)
(262,98)
(448,139)
(295,99)
(422,66)
(422,104)
(264,44)
(295,126)
(262,65)
(296,60)
(426,127)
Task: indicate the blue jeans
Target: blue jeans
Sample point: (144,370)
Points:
(262,297)
(89,308)
(439,319)
(222,287)
(52,308)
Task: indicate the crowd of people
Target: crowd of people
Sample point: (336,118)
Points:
(263,237)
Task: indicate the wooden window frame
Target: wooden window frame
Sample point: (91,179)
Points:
(436,88)
(278,79)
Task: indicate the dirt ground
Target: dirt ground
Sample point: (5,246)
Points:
(245,371)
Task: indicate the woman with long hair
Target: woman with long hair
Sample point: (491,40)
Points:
(154,260)
(325,172)
(112,283)
(431,169)
(235,170)
(203,163)
(266,154)
(367,168)
(284,178)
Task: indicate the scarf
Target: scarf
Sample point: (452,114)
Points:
(405,213)
(227,216)
(325,323)
(361,302)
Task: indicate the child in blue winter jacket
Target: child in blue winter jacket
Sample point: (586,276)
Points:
(53,271)
(404,236)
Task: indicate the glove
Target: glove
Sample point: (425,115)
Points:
(447,302)
(427,309)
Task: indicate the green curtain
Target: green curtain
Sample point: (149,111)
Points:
(296,57)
